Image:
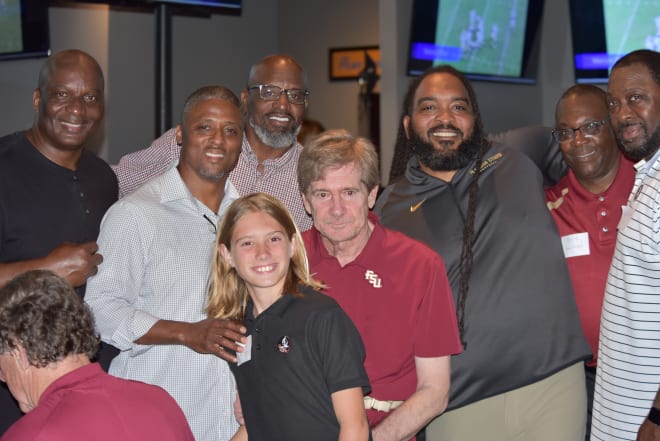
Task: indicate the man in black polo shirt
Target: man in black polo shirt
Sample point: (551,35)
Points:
(53,192)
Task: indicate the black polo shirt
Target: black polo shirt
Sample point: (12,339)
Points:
(303,350)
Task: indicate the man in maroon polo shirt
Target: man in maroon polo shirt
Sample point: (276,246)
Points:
(586,204)
(394,288)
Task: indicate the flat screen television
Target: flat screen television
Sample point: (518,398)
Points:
(605,30)
(492,40)
(231,7)
(24,29)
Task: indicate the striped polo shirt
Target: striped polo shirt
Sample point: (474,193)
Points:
(629,349)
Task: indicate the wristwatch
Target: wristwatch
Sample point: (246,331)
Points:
(654,416)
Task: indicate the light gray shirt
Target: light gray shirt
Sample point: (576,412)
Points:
(157,245)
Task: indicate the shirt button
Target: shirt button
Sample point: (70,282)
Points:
(86,211)
(257,346)
(82,194)
(605,229)
(603,213)
(258,330)
(601,198)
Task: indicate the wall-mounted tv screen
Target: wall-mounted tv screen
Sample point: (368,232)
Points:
(24,29)
(605,30)
(232,7)
(493,40)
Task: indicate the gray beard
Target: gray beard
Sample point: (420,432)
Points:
(274,140)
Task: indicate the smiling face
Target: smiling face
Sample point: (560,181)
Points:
(275,123)
(211,138)
(634,104)
(339,204)
(594,159)
(260,252)
(441,123)
(69,103)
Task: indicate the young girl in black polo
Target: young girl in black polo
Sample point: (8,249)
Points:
(301,375)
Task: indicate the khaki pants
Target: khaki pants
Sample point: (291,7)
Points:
(553,409)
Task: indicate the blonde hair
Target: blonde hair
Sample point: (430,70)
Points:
(227,293)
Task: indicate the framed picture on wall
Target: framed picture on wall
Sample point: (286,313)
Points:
(346,63)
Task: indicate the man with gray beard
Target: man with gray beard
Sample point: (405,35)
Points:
(274,104)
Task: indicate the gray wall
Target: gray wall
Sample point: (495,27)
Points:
(220,49)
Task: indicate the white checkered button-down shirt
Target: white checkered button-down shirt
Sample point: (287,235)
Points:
(157,247)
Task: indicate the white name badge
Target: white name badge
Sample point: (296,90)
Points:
(246,355)
(575,244)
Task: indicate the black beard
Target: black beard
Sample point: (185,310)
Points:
(446,159)
(644,151)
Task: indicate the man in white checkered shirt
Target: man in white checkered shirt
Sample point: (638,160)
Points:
(149,295)
(274,101)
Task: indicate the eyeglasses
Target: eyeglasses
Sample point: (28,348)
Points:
(273,93)
(588,129)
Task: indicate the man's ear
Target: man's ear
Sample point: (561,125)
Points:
(406,123)
(179,135)
(308,208)
(371,198)
(36,99)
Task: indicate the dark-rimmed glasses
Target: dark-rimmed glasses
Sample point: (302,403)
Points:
(589,129)
(268,92)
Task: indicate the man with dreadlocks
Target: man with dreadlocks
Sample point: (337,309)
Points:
(480,205)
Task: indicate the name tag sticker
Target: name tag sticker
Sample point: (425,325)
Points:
(246,355)
(575,244)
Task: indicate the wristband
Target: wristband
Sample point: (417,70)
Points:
(654,416)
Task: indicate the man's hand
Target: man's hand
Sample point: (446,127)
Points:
(74,262)
(216,336)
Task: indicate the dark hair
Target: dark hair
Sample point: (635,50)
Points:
(41,312)
(648,58)
(583,90)
(402,154)
(204,93)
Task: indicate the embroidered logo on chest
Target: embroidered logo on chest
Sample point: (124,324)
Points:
(373,278)
(284,346)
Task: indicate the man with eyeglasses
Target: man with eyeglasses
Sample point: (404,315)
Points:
(586,205)
(275,101)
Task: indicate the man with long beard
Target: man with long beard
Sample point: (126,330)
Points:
(274,103)
(628,372)
(480,205)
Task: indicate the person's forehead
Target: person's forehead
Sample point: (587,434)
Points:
(347,175)
(279,73)
(441,83)
(75,72)
(575,105)
(215,105)
(632,76)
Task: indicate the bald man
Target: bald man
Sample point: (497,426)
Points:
(53,192)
